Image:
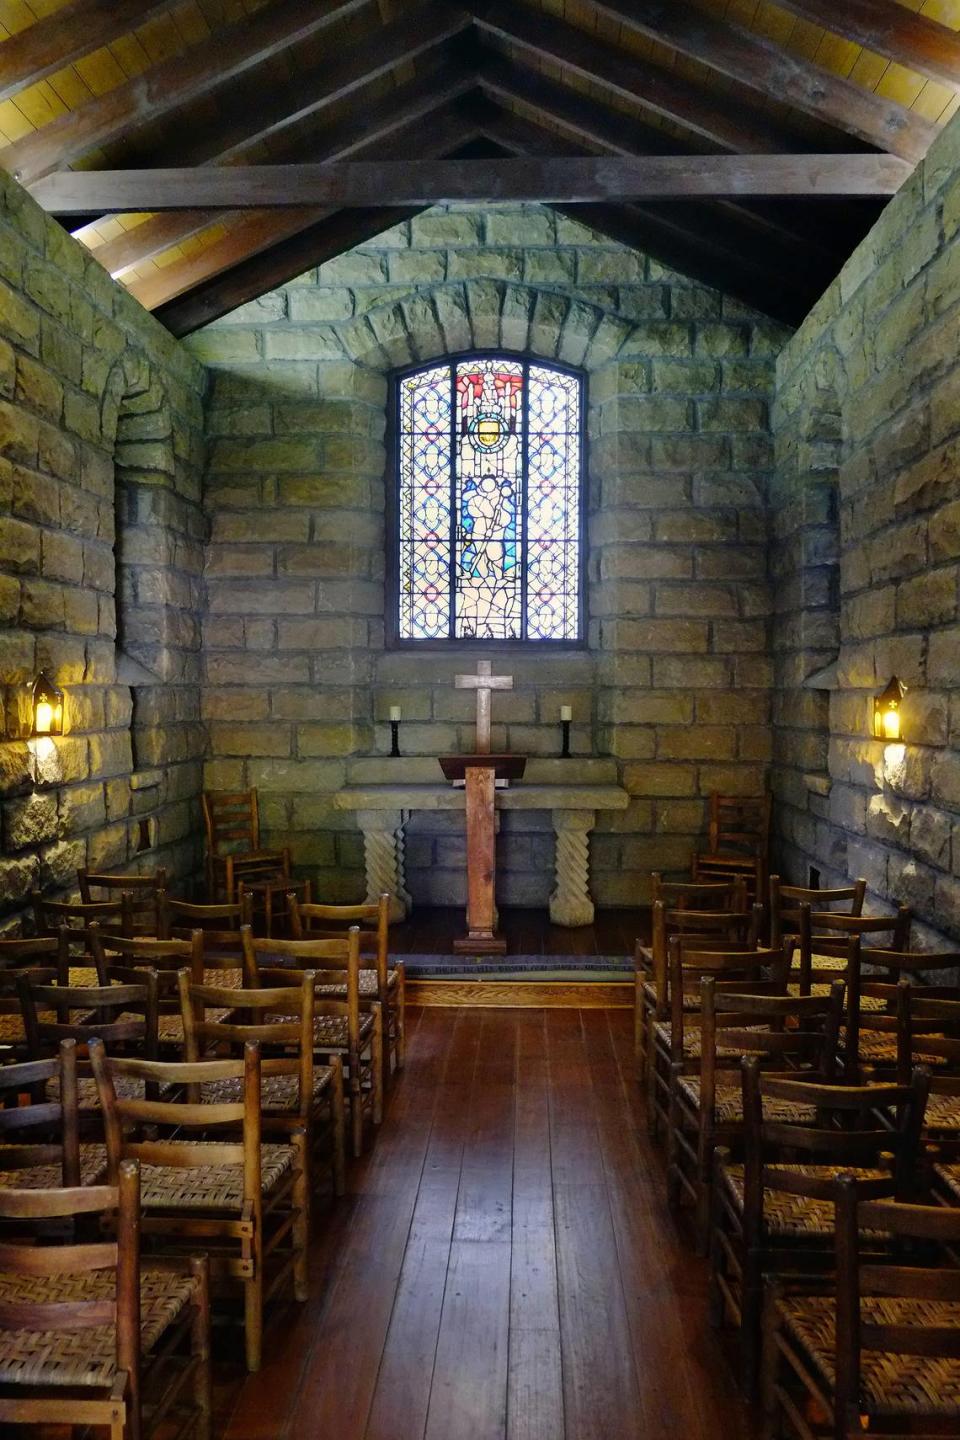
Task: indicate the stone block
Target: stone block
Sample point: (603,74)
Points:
(660,779)
(697,742)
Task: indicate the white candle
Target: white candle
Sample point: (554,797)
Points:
(394,712)
(566,712)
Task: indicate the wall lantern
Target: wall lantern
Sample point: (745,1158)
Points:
(47,706)
(886,711)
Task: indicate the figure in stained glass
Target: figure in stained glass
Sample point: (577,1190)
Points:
(489,501)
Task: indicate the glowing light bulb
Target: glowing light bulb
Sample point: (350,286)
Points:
(44,721)
(891,724)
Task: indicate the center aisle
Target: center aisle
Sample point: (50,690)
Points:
(504,1266)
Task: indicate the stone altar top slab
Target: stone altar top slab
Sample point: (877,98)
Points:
(419,770)
(443,797)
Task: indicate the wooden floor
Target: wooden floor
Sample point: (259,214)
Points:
(431,930)
(503,1267)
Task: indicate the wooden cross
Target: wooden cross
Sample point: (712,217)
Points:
(483,682)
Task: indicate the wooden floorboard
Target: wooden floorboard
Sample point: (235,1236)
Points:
(504,1266)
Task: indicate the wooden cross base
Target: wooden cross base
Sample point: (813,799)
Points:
(481,937)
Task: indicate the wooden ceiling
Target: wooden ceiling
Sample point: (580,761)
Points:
(121,84)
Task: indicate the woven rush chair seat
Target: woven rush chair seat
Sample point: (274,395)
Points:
(88,1097)
(895,1384)
(796,1217)
(729,1103)
(942,1113)
(93,1168)
(85,1357)
(368,985)
(215,1188)
(330,1031)
(949,1175)
(277,1092)
(691,1003)
(170,1027)
(692,1046)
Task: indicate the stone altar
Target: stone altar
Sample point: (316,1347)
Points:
(573,790)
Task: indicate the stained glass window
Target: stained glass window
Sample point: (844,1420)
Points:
(489,498)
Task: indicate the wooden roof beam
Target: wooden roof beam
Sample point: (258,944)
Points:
(767,68)
(557,180)
(259,230)
(662,92)
(889,29)
(173,83)
(71,32)
(377,121)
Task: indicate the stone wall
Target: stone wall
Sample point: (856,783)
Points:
(867,544)
(673,677)
(100,469)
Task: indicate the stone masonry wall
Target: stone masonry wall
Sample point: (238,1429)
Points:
(867,532)
(673,677)
(101,438)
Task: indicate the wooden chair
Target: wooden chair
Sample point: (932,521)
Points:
(237,1199)
(706,1101)
(124,1014)
(773,1211)
(786,901)
(40,1137)
(232,824)
(45,952)
(351,1028)
(379,980)
(738,842)
(88,1337)
(144,890)
(930,1028)
(882,1355)
(295,1093)
(180,918)
(885,977)
(733,942)
(116,956)
(269,902)
(115,916)
(730,925)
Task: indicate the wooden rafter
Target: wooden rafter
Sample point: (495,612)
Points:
(662,92)
(564,180)
(259,230)
(401,108)
(587,122)
(761,65)
(75,30)
(173,83)
(891,30)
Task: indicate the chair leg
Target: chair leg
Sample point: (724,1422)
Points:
(338,1114)
(751,1303)
(401,1003)
(301,1220)
(638,1029)
(704,1176)
(673,1151)
(200,1350)
(716,1308)
(356,1107)
(377,1049)
(772,1418)
(253,1305)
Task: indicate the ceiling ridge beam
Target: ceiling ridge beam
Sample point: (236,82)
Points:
(766,67)
(641,83)
(386,115)
(916,41)
(172,83)
(566,180)
(260,230)
(71,32)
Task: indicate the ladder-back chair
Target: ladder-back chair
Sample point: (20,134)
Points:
(143,888)
(117,956)
(245,1204)
(40,1136)
(738,842)
(234,853)
(786,902)
(44,952)
(88,1335)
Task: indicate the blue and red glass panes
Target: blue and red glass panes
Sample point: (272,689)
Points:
(424,508)
(553,505)
(488,588)
(489,501)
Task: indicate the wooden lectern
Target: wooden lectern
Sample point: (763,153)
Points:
(481,772)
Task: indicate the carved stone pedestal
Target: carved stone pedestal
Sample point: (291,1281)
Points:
(383,859)
(570,903)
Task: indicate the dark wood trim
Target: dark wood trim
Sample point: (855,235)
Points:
(564,180)
(147,98)
(891,30)
(762,65)
(451,643)
(69,33)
